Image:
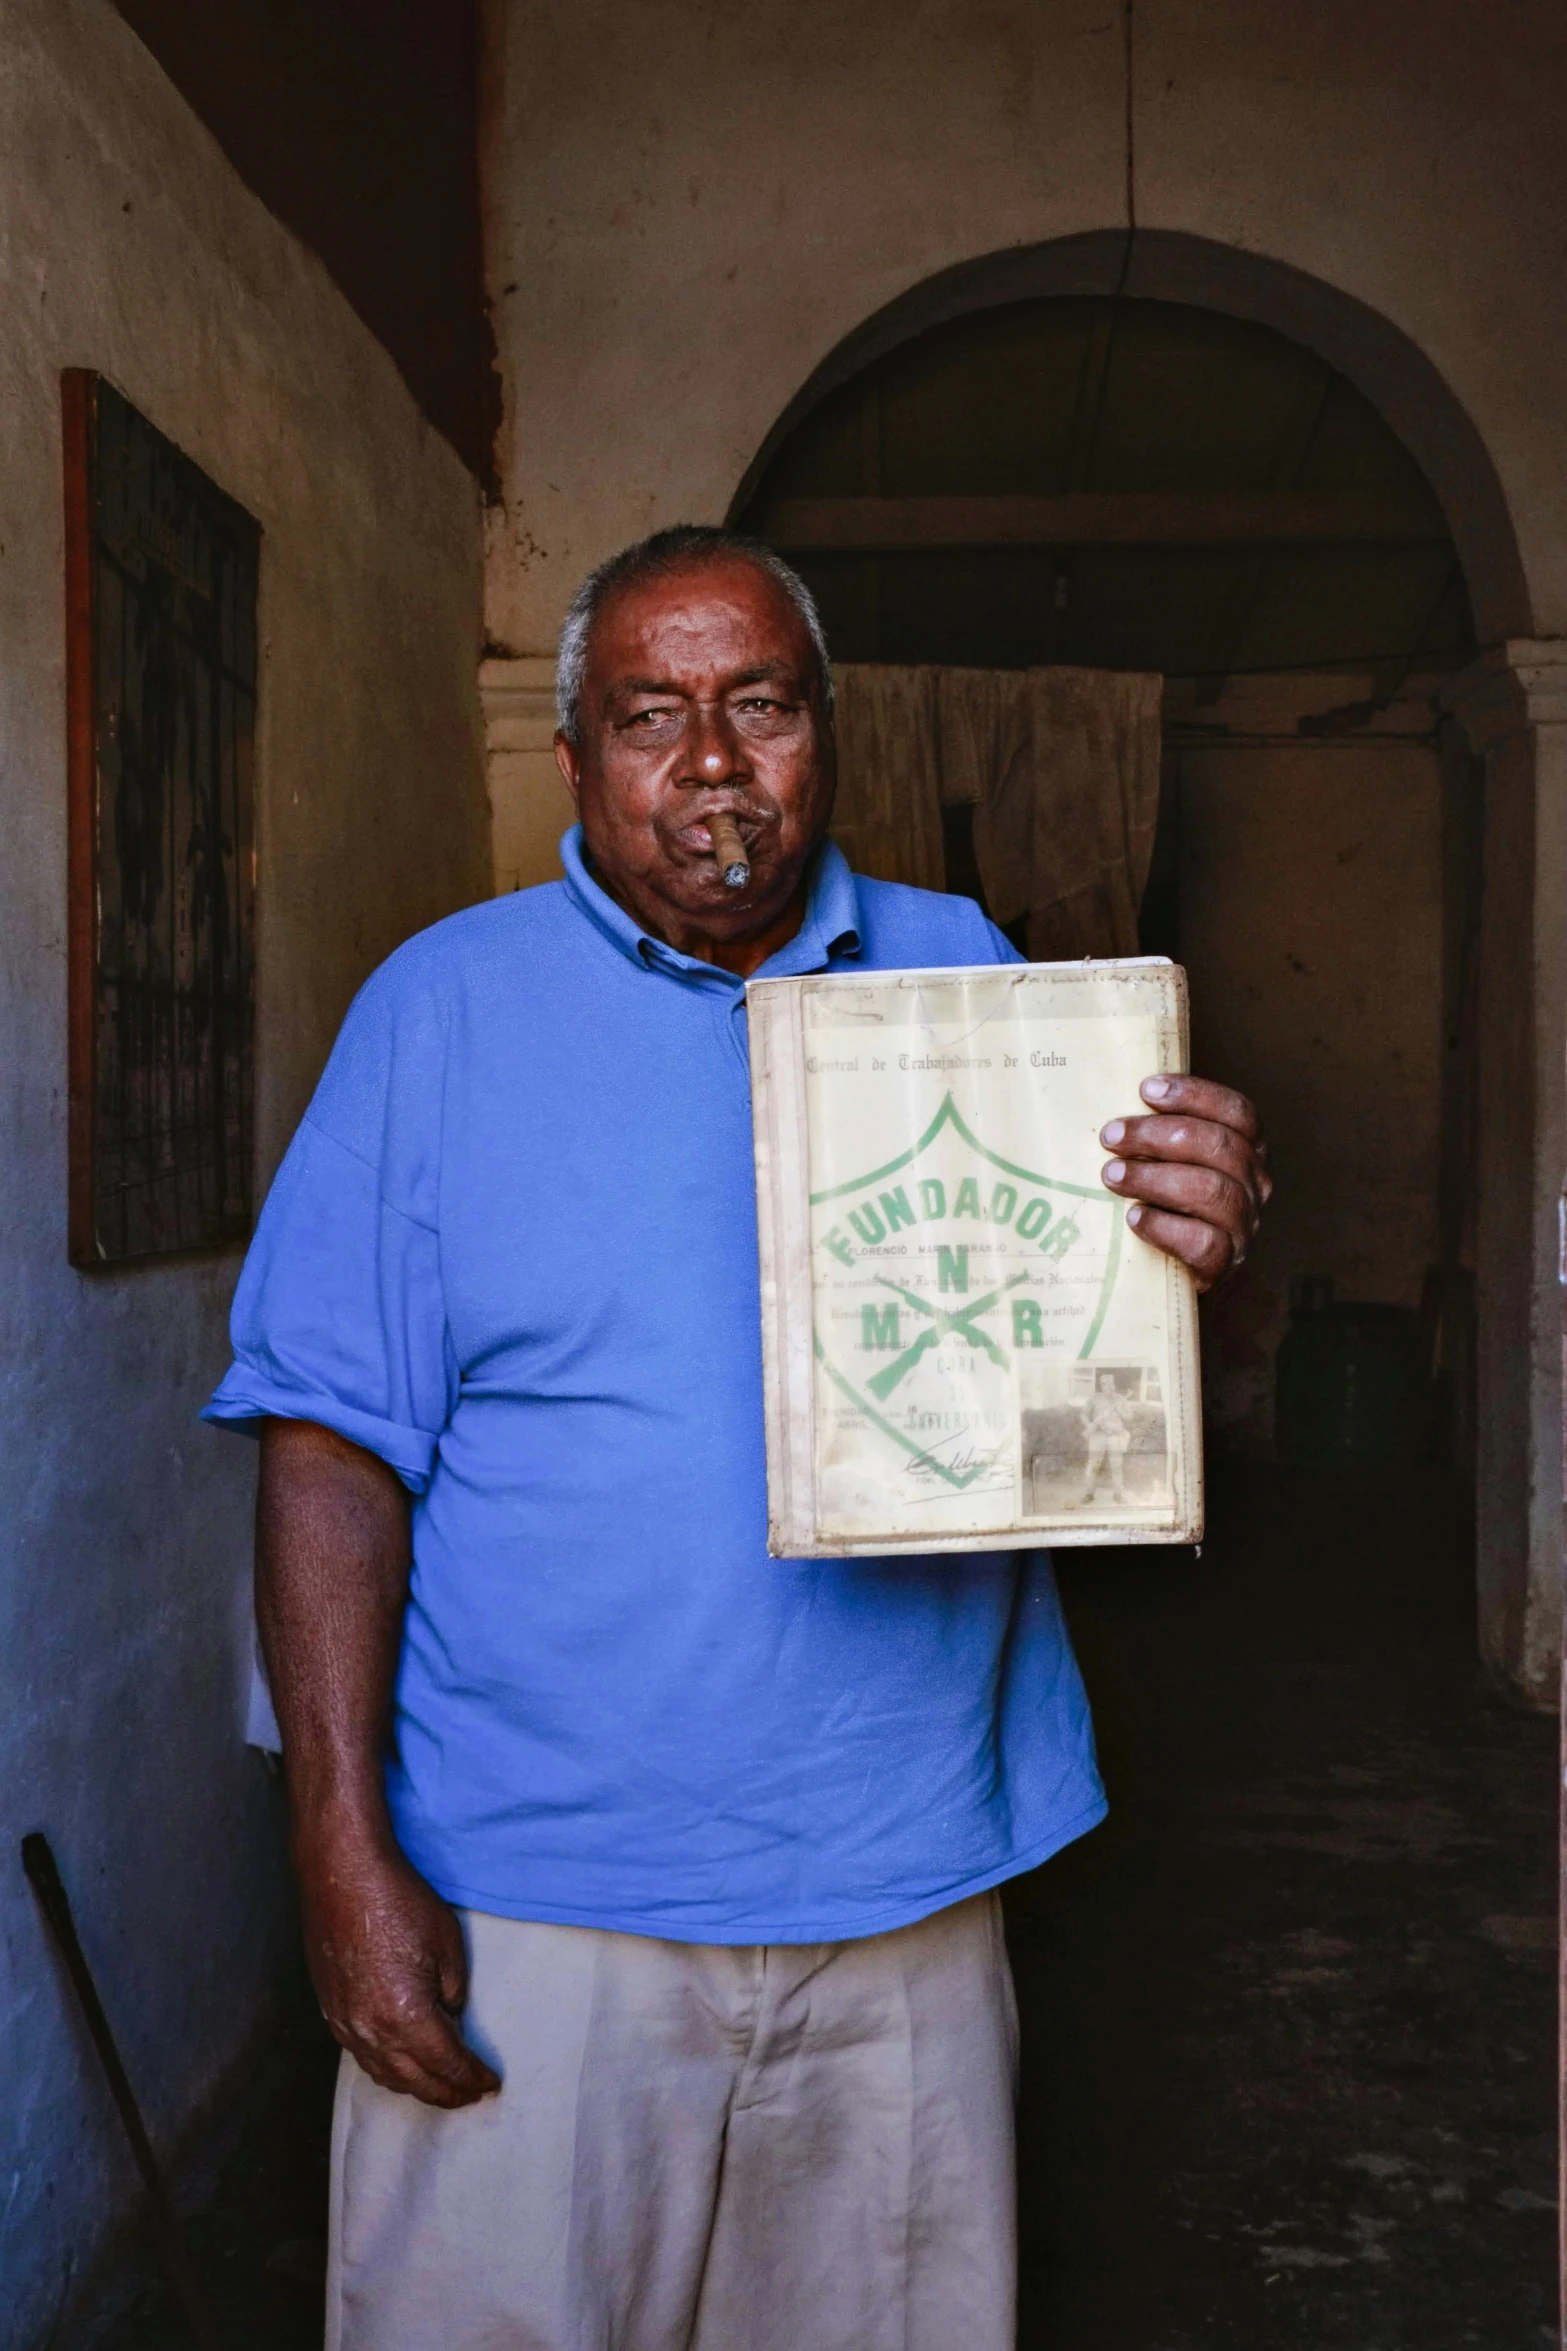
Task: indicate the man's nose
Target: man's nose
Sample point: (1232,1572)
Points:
(713,751)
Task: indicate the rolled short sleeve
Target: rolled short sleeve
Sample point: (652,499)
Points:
(339,1316)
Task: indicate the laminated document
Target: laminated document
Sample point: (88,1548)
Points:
(965,1346)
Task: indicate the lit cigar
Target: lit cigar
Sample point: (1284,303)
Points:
(729,850)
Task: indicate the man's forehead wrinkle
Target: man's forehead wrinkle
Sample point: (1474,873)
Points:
(710,633)
(686,689)
(699,602)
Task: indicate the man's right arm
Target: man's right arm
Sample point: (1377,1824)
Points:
(385,1952)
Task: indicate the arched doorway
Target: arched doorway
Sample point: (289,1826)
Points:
(1198,464)
(1511,704)
(1125,484)
(1159,265)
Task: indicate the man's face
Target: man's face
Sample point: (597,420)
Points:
(699,698)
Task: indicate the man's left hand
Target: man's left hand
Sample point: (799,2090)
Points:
(1196,1171)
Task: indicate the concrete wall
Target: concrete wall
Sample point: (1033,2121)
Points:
(1310,913)
(128,244)
(1513,707)
(678,244)
(356,122)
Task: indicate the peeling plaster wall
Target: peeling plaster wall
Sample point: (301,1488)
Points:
(355,121)
(128,244)
(675,246)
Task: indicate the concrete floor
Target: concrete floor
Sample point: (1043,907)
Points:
(1289,2018)
(1290,2015)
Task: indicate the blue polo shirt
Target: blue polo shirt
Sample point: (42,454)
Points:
(512,1250)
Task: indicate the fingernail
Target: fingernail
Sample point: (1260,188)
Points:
(1114,1133)
(1134,1215)
(1155,1089)
(1115,1173)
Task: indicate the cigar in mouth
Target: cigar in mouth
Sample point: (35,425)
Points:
(729,849)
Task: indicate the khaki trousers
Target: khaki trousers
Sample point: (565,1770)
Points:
(784,2147)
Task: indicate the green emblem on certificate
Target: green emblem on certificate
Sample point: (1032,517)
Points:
(965,1347)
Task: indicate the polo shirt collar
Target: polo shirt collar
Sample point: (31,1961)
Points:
(831,926)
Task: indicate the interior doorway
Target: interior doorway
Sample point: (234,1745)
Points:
(1262,2103)
(1236,517)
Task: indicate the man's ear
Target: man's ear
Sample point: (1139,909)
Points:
(566,761)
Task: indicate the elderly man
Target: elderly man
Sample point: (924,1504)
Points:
(648,1881)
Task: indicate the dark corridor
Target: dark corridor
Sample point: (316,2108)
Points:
(1289,2015)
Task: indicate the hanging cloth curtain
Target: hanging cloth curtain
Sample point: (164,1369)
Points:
(1065,834)
(1060,765)
(887,820)
(987,739)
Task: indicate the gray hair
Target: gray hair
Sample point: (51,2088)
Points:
(677,549)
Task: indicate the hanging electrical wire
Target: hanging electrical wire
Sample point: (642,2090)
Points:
(1129,127)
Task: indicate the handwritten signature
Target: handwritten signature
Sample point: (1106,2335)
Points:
(957,1456)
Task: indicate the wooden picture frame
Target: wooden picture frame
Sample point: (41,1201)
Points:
(161,572)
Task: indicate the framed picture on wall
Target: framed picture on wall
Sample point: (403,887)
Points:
(161,573)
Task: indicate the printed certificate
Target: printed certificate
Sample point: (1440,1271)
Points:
(965,1348)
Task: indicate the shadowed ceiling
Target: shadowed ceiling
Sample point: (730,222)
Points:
(355,121)
(1131,485)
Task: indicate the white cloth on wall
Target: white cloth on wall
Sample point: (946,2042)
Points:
(1065,836)
(1060,765)
(261,1725)
(887,820)
(987,740)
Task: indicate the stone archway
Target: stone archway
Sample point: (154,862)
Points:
(1513,707)
(1169,266)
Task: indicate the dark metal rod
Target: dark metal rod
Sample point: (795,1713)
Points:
(44,1877)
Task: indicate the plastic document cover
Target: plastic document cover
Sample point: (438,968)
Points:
(965,1347)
